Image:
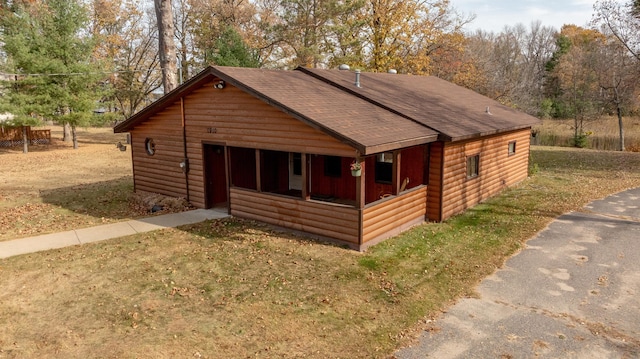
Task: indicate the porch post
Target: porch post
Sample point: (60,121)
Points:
(360,201)
(305,176)
(227,175)
(360,186)
(258,169)
(396,180)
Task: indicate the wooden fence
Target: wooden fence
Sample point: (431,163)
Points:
(13,136)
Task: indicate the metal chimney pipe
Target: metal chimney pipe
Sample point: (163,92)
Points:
(357,78)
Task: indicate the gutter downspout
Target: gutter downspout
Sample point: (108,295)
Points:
(185,162)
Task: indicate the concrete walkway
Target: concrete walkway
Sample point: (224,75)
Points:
(107,231)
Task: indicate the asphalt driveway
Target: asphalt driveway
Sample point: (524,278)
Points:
(572,292)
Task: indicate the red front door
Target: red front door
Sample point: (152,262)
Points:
(215,176)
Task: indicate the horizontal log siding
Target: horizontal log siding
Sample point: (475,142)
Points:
(385,219)
(161,172)
(497,169)
(434,193)
(241,120)
(328,220)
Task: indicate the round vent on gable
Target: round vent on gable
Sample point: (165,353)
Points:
(150,146)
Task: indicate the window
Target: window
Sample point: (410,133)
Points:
(242,167)
(512,148)
(333,166)
(150,146)
(473,166)
(297,164)
(384,167)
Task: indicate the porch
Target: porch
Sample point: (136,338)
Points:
(318,193)
(358,228)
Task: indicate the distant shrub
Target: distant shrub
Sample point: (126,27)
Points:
(581,140)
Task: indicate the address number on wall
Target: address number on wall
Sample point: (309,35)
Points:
(212,130)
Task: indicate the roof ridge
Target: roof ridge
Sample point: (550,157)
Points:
(315,75)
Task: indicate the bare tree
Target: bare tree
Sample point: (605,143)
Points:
(512,64)
(167,47)
(617,75)
(621,21)
(128,47)
(622,25)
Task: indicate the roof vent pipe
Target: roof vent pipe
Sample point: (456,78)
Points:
(357,78)
(487,111)
(343,67)
(392,71)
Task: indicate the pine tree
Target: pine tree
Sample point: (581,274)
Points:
(231,50)
(49,50)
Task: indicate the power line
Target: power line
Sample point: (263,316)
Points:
(77,73)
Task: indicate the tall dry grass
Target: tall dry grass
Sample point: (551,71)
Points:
(602,134)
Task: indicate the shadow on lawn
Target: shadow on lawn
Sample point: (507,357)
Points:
(109,199)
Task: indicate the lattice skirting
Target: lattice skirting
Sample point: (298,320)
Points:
(15,143)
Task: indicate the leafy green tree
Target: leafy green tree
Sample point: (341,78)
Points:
(50,51)
(205,21)
(231,50)
(577,76)
(557,108)
(303,28)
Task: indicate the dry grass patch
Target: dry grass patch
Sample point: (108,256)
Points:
(223,289)
(603,133)
(56,188)
(237,289)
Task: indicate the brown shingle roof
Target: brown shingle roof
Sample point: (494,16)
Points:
(367,127)
(386,113)
(454,111)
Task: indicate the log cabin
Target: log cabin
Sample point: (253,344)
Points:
(349,156)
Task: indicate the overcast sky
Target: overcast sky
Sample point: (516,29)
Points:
(493,15)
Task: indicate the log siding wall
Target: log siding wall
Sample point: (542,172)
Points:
(324,219)
(497,170)
(434,192)
(160,173)
(228,117)
(237,119)
(393,215)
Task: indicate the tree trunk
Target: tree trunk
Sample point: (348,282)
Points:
(167,47)
(75,137)
(621,127)
(575,131)
(25,140)
(184,64)
(619,113)
(66,132)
